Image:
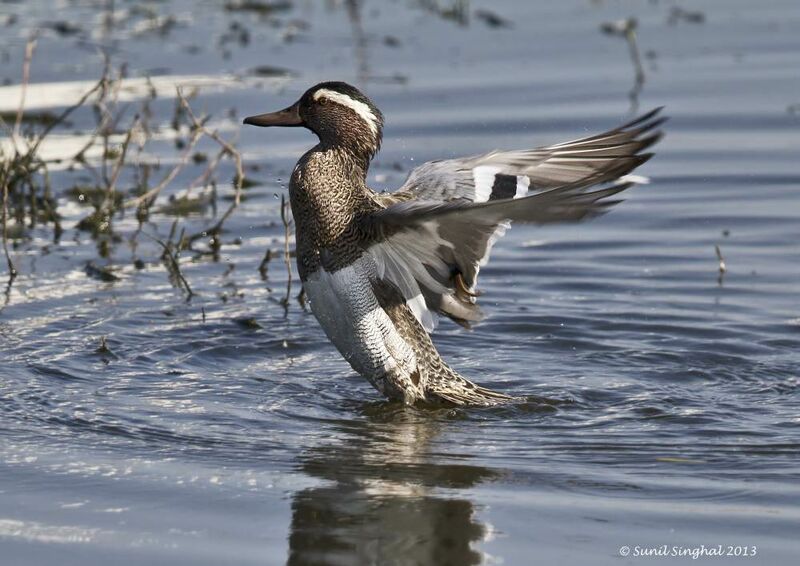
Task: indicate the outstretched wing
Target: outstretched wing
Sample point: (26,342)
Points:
(432,251)
(513,174)
(437,231)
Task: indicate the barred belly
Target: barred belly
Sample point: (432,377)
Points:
(346,307)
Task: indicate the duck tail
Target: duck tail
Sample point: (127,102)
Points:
(451,387)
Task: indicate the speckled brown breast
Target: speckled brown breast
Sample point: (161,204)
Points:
(328,194)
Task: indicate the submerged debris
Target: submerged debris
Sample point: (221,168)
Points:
(248,182)
(249,322)
(391,41)
(35,118)
(258,7)
(678,14)
(269,71)
(185,205)
(64,28)
(103,348)
(101,273)
(492,19)
(453,10)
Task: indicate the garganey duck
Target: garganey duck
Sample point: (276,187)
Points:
(379,267)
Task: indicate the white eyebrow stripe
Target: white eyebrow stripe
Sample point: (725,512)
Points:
(356,106)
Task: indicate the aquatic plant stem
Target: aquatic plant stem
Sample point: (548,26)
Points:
(627,30)
(30,46)
(238,182)
(26,77)
(112,183)
(207,173)
(151,195)
(722,268)
(173,262)
(63,116)
(287,258)
(101,126)
(232,151)
(12,270)
(639,77)
(262,267)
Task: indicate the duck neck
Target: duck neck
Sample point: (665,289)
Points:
(353,158)
(331,180)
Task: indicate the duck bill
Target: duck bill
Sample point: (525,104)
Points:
(287,117)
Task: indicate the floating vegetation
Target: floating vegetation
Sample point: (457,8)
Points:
(492,19)
(258,7)
(248,323)
(41,118)
(64,28)
(452,10)
(103,347)
(678,14)
(100,273)
(392,41)
(90,195)
(185,205)
(248,183)
(269,71)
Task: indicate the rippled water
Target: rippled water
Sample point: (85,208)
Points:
(663,399)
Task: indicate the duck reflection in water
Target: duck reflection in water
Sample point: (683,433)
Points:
(385,501)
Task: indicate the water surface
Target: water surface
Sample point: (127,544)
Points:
(664,398)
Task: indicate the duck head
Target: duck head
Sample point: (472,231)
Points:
(340,114)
